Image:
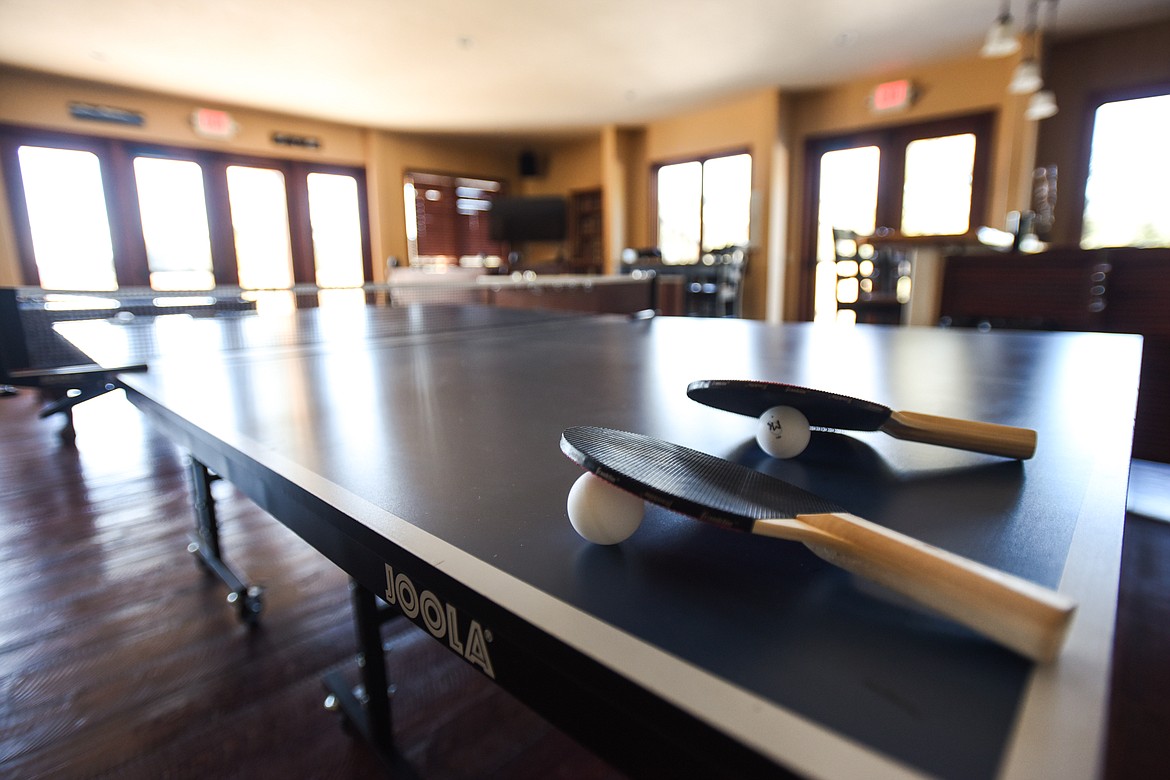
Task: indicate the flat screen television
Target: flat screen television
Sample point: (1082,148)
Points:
(539,218)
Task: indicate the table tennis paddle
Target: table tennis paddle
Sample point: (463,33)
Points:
(830,410)
(1018,614)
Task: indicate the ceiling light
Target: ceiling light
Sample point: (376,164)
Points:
(1001,38)
(1041,105)
(1026,78)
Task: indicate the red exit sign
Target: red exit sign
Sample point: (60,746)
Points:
(892,96)
(210,123)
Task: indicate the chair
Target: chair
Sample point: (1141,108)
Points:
(732,263)
(867,279)
(62,385)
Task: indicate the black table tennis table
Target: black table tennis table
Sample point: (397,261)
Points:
(417,448)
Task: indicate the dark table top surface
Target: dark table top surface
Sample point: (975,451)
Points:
(437,429)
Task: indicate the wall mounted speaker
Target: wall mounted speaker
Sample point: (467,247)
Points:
(529,164)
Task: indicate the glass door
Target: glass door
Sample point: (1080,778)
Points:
(173,208)
(923,180)
(846,208)
(65,187)
(260,224)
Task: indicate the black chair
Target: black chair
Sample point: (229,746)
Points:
(63,385)
(732,264)
(872,275)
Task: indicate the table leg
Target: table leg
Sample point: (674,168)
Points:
(247,599)
(366,707)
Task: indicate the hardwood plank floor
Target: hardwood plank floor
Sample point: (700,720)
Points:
(120,658)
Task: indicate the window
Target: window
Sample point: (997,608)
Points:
(173,206)
(65,187)
(680,203)
(936,185)
(335,218)
(177,218)
(1127,202)
(847,201)
(703,205)
(259,208)
(448,219)
(919,180)
(727,201)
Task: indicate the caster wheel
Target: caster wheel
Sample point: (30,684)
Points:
(248,603)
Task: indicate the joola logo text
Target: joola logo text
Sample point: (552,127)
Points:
(440,619)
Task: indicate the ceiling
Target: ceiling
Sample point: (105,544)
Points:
(502,66)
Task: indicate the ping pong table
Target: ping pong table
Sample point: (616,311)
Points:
(417,448)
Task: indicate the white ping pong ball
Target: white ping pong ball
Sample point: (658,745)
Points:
(602,513)
(783,432)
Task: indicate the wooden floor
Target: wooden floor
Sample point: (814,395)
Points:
(119,657)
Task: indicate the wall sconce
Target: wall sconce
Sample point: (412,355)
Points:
(1001,38)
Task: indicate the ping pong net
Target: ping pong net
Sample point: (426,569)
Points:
(410,305)
(34,353)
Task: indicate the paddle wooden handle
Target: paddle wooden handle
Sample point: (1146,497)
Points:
(989,438)
(1021,615)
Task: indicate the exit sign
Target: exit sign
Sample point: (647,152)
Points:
(892,96)
(210,123)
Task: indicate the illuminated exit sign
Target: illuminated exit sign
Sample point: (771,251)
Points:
(210,123)
(892,96)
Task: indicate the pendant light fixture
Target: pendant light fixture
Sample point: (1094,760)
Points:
(1001,38)
(1041,105)
(1027,78)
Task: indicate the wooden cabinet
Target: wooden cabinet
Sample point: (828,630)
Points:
(1111,290)
(586,232)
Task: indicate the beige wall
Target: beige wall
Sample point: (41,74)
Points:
(622,169)
(9,261)
(40,100)
(565,166)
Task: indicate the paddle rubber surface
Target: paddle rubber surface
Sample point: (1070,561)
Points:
(687,481)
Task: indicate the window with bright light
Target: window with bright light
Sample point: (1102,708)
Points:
(848,195)
(337,235)
(103,213)
(260,222)
(680,208)
(67,215)
(703,205)
(936,188)
(173,209)
(727,201)
(847,201)
(1127,201)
